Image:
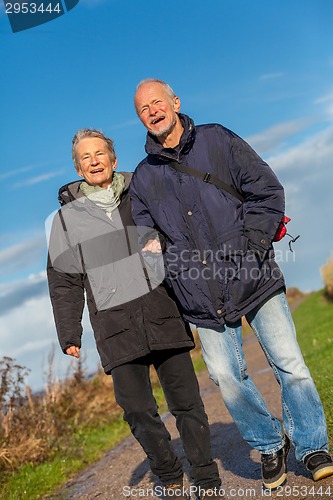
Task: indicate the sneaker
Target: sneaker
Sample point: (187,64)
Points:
(211,493)
(320,464)
(274,467)
(176,491)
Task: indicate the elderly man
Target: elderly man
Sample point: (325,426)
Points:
(218,206)
(93,250)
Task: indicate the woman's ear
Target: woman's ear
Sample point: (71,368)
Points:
(115,164)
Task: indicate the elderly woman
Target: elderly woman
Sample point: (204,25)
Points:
(93,250)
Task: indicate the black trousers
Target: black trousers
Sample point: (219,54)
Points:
(133,392)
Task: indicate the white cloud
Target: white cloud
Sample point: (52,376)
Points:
(306,172)
(22,255)
(275,135)
(15,171)
(327,100)
(303,164)
(27,334)
(313,153)
(324,99)
(128,124)
(36,180)
(17,293)
(271,76)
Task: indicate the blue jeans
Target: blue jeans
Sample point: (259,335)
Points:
(303,415)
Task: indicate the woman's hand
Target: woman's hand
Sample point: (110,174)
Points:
(73,350)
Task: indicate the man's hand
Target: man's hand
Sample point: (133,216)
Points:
(153,246)
(73,350)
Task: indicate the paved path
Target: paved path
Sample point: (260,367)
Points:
(125,469)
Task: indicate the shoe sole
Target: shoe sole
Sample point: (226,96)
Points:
(322,473)
(277,483)
(283,478)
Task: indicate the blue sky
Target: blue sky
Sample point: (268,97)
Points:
(262,68)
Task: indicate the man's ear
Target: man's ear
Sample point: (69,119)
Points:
(176,104)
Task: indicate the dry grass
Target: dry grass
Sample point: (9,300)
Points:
(327,274)
(33,427)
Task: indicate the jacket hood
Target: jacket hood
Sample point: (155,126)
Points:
(71,191)
(155,148)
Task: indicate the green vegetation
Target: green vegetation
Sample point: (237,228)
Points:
(314,325)
(45,441)
(84,447)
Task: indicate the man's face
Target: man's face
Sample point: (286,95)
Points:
(156,109)
(96,166)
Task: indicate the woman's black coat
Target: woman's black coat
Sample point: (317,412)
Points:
(128,320)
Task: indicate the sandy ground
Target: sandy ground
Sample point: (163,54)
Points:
(124,472)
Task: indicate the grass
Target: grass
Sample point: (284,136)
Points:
(85,444)
(314,326)
(85,447)
(34,481)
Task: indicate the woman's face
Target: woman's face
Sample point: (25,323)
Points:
(95,163)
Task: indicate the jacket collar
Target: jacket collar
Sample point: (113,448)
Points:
(154,147)
(71,191)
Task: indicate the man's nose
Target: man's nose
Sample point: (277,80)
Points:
(152,109)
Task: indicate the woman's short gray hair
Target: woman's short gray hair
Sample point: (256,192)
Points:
(83,133)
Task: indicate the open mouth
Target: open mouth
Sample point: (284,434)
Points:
(156,120)
(97,171)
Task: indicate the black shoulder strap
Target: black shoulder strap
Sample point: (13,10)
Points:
(207,177)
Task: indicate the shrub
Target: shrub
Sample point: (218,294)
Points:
(294,293)
(34,426)
(327,274)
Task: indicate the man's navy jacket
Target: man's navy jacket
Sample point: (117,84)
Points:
(218,250)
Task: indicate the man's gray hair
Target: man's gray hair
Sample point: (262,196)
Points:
(83,133)
(165,85)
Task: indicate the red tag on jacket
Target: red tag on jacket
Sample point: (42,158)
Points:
(281,230)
